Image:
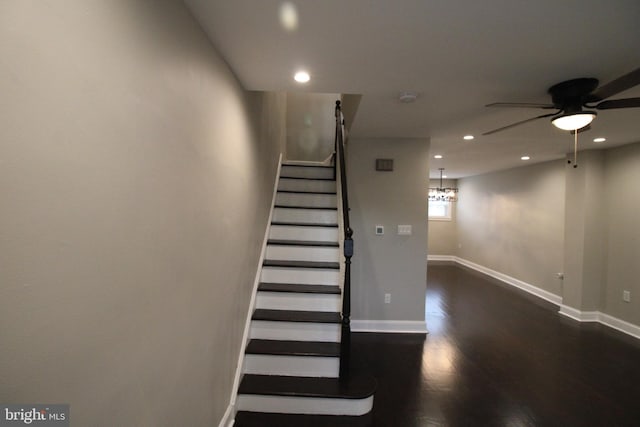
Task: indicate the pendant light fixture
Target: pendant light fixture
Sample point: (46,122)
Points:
(441,193)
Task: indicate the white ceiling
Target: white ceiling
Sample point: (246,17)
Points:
(457,55)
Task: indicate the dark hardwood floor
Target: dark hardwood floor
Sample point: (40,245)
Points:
(496,356)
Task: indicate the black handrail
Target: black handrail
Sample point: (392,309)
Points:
(345,341)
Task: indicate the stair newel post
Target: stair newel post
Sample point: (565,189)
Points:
(345,341)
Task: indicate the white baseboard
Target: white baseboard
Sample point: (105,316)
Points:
(390,326)
(580,316)
(527,287)
(565,310)
(620,325)
(603,318)
(447,258)
(227,419)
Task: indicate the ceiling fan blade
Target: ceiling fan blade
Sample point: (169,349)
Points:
(521,105)
(616,86)
(619,103)
(521,122)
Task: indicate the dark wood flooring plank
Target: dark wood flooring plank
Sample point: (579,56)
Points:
(496,356)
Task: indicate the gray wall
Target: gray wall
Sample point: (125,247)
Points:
(311,125)
(389,263)
(443,235)
(513,222)
(622,204)
(534,221)
(584,235)
(135,192)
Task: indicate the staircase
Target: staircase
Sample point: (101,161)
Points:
(292,361)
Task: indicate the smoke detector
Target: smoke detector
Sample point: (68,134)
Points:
(408,97)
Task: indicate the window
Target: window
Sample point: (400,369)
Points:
(440,210)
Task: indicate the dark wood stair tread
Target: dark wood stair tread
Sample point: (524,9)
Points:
(357,387)
(297,316)
(325,208)
(293,348)
(306,178)
(277,242)
(307,192)
(301,264)
(303,289)
(304,224)
(263,419)
(307,166)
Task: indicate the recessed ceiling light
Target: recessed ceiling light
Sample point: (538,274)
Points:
(288,16)
(599,139)
(468,137)
(525,158)
(302,77)
(437,156)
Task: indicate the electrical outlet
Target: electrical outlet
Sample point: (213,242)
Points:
(387,298)
(626,296)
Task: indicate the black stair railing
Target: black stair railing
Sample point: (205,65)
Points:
(339,166)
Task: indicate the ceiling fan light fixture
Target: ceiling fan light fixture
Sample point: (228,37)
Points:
(574,121)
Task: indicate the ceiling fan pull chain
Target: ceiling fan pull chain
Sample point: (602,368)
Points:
(575,149)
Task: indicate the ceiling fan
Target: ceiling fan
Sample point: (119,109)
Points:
(569,98)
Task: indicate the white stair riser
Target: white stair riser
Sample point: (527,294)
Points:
(306,172)
(297,366)
(303,253)
(321,216)
(298,301)
(294,331)
(319,234)
(307,185)
(304,405)
(311,276)
(306,199)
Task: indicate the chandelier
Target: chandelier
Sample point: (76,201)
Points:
(442,194)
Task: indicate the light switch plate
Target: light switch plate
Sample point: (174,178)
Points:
(404,230)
